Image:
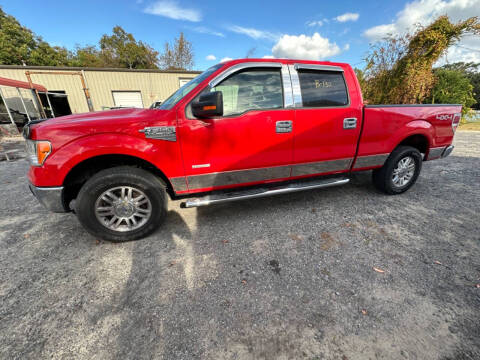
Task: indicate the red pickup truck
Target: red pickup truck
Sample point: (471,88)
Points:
(242,129)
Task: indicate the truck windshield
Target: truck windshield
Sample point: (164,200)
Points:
(185,89)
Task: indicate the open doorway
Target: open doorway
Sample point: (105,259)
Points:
(57,103)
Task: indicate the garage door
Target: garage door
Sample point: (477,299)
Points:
(127,99)
(183,81)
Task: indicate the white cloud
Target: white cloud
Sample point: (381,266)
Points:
(424,12)
(225,59)
(379,32)
(313,47)
(173,10)
(268,57)
(315,23)
(347,17)
(460,53)
(211,57)
(205,30)
(253,33)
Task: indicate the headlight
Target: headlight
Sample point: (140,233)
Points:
(38,151)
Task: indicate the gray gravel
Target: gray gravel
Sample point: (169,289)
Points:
(276,278)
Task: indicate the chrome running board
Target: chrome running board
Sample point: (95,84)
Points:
(262,192)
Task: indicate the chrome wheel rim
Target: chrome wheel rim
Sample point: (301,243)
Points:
(403,172)
(123,208)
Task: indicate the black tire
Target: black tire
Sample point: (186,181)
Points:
(383,177)
(139,180)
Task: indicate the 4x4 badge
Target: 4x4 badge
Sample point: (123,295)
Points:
(168,133)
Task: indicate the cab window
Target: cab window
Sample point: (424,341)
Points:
(251,89)
(322,88)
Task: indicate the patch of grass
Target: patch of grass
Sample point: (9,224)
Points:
(470,126)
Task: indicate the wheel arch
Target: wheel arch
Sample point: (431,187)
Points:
(418,141)
(85,169)
(418,134)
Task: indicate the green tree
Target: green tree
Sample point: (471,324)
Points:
(122,50)
(46,55)
(19,45)
(16,41)
(452,87)
(86,56)
(399,70)
(361,78)
(177,56)
(471,71)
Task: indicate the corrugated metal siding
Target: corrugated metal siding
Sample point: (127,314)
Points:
(154,86)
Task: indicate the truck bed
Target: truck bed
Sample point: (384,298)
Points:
(384,126)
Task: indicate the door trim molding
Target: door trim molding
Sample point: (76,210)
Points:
(237,177)
(179,183)
(320,167)
(370,160)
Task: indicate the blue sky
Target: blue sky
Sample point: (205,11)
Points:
(321,30)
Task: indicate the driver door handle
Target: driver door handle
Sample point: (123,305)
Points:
(283,126)
(350,123)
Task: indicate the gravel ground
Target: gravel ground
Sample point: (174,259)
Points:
(287,277)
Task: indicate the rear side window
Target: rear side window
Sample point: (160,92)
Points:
(252,89)
(322,88)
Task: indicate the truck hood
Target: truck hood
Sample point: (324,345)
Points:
(109,115)
(129,121)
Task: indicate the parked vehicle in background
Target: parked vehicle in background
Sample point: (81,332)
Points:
(155,104)
(242,129)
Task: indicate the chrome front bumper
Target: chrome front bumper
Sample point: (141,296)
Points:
(50,197)
(439,152)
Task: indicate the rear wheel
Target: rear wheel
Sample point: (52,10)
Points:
(399,172)
(121,203)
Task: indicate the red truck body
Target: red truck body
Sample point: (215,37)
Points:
(196,155)
(234,144)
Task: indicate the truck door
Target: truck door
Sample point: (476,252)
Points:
(327,123)
(252,142)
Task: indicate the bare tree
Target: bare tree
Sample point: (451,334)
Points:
(178,56)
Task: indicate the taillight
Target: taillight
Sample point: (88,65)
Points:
(456,121)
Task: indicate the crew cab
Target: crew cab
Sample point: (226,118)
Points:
(242,129)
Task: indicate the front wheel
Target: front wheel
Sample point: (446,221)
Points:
(399,172)
(122,203)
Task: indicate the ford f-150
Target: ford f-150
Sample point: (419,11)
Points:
(242,129)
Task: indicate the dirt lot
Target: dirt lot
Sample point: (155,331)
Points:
(288,277)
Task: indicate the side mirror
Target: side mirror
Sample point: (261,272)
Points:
(208,105)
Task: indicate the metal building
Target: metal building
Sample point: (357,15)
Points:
(106,88)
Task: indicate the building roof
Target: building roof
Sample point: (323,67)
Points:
(72,68)
(20,84)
